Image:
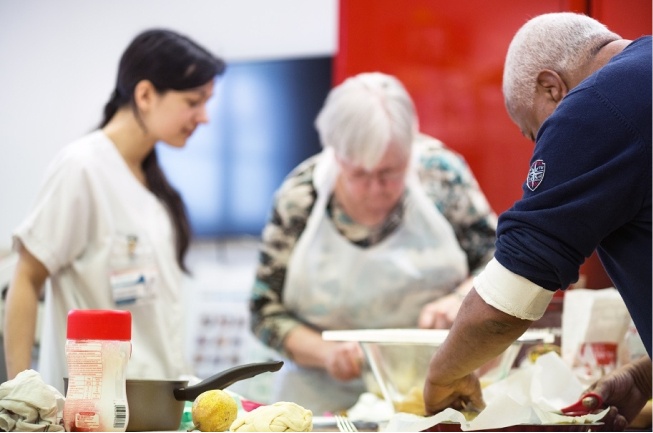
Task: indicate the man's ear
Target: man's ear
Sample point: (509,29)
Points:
(144,93)
(551,83)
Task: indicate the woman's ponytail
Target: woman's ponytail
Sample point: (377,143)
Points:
(111,107)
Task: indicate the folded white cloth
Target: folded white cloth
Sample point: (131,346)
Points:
(27,403)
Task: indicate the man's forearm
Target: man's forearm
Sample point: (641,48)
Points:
(479,333)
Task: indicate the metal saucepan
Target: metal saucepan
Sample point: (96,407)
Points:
(159,404)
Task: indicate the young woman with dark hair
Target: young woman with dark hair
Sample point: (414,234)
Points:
(108,230)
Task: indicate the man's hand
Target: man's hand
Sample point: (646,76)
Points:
(479,334)
(460,394)
(626,390)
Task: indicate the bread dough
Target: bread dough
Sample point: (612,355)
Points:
(413,402)
(277,417)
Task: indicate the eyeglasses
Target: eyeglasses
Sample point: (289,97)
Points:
(385,176)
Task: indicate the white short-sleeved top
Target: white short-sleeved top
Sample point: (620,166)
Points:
(95,228)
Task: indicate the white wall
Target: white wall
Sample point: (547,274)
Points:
(58,61)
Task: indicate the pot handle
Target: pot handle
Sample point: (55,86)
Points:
(226,378)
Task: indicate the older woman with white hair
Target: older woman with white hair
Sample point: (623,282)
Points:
(382,229)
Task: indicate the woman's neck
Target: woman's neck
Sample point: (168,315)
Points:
(131,141)
(356,211)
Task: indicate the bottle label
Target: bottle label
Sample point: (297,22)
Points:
(120,415)
(87,420)
(86,361)
(96,393)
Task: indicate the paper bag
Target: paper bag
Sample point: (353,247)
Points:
(594,324)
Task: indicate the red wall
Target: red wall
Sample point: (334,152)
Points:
(450,57)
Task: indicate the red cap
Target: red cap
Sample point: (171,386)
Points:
(99,325)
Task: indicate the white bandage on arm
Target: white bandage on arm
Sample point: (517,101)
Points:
(511,293)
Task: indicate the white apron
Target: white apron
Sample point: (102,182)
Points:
(334,284)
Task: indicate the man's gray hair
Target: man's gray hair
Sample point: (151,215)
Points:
(363,115)
(560,42)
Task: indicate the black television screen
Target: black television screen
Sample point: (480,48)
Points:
(261,125)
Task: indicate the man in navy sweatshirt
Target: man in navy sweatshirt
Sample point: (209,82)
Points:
(583,95)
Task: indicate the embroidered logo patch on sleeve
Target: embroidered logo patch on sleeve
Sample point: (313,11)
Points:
(535,174)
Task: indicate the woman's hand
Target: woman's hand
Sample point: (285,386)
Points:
(440,314)
(344,361)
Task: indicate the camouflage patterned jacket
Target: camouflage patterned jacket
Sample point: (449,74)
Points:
(446,179)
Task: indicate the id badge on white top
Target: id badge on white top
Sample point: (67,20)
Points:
(133,273)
